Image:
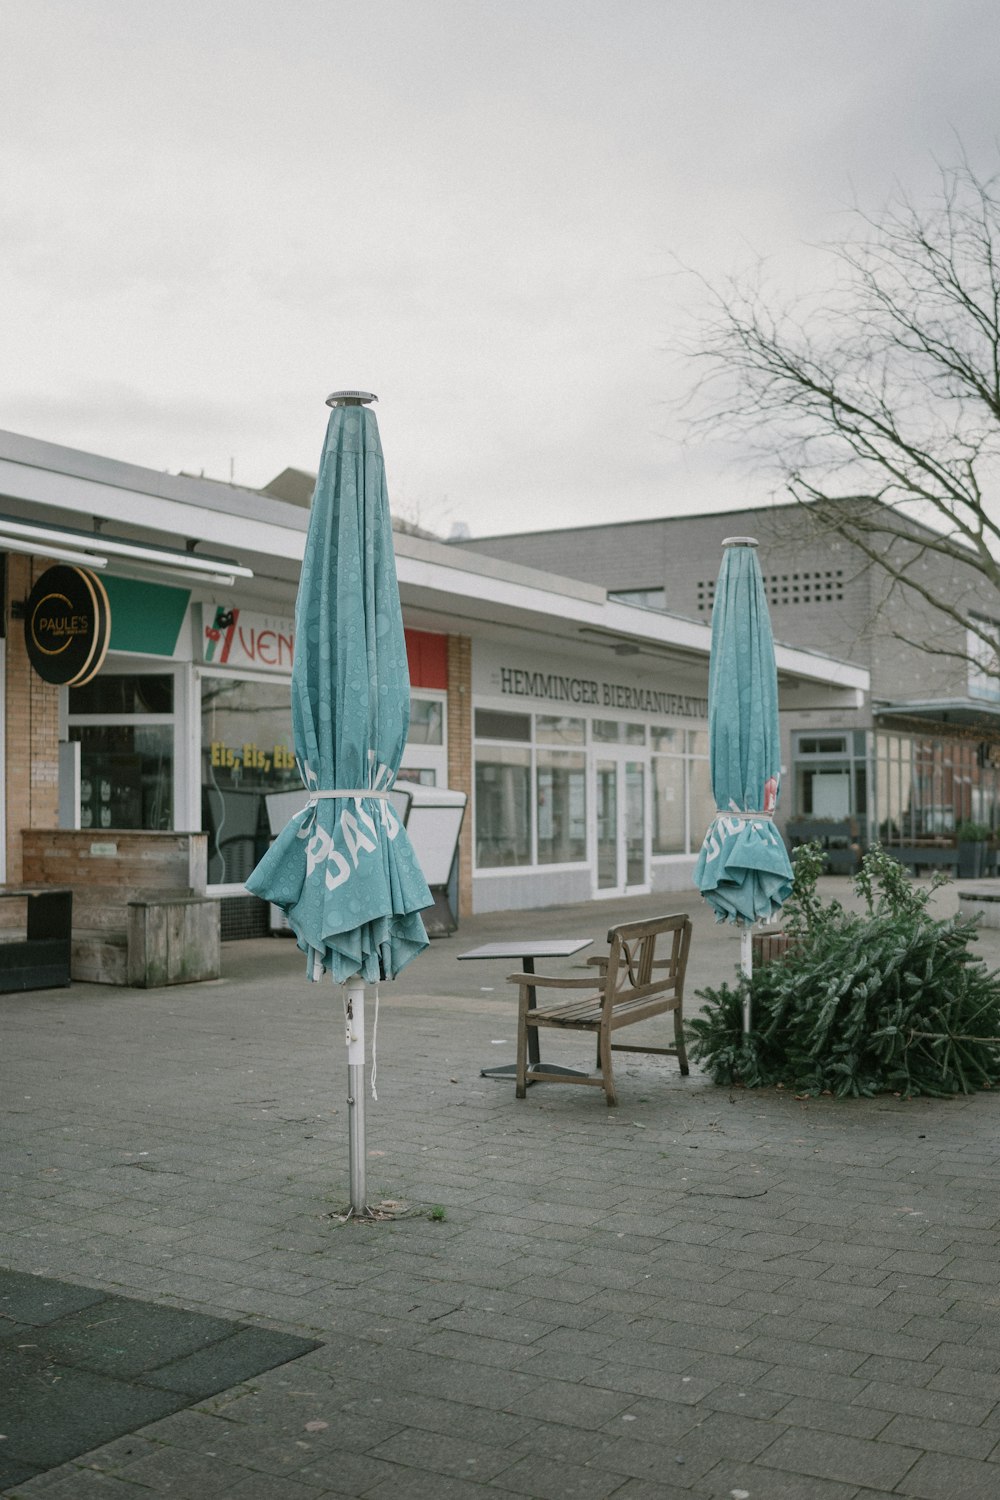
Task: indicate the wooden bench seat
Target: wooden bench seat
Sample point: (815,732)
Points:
(641,976)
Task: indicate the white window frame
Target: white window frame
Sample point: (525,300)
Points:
(434,758)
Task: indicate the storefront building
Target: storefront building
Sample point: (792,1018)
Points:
(576,724)
(920,755)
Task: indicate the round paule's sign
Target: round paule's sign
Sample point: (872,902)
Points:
(67,625)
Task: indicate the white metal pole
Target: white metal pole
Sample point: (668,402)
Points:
(746,966)
(354,1013)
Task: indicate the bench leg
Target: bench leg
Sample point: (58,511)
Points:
(521,1083)
(682,1056)
(604,1058)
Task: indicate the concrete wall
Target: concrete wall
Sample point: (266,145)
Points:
(675,876)
(823,593)
(532,888)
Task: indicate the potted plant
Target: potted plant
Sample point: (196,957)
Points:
(971,840)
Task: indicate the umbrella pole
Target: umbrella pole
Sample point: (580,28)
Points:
(354,1012)
(746,967)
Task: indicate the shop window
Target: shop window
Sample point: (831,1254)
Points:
(561,800)
(615,732)
(829,744)
(142,693)
(830,776)
(246,752)
(683,805)
(824,792)
(925,787)
(124,724)
(503,804)
(422,775)
(426,721)
(557,729)
(701,800)
(493,724)
(425,755)
(669,831)
(126,775)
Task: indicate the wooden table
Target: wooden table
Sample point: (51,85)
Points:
(524,951)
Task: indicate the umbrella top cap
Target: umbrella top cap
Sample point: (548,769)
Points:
(350,398)
(740,541)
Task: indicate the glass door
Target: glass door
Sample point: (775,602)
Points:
(622,838)
(606,802)
(636,867)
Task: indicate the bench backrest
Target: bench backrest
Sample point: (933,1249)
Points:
(648,958)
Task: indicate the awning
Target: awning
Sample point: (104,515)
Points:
(960,713)
(94,549)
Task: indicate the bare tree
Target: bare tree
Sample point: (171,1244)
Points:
(880,407)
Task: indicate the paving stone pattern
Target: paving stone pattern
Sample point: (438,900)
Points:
(703,1293)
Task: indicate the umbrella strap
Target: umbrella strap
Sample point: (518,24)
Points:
(339,792)
(747,817)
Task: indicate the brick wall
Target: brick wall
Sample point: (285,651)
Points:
(31,721)
(460,753)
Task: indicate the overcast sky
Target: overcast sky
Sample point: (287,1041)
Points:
(214,212)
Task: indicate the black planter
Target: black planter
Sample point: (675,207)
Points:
(971,859)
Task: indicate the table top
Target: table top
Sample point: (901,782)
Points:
(530,948)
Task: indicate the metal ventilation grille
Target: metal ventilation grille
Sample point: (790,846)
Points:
(820,586)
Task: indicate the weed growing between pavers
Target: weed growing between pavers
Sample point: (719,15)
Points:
(889,1000)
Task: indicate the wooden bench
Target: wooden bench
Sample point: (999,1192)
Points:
(634,982)
(140,913)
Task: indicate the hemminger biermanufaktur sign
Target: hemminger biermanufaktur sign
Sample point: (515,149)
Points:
(67,625)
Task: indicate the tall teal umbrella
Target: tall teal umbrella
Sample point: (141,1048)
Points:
(743,869)
(343,869)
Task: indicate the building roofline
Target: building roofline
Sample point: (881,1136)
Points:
(699,515)
(469,543)
(431,571)
(117,474)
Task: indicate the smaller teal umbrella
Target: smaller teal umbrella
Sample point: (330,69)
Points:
(743,869)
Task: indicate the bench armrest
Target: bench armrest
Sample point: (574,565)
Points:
(541,981)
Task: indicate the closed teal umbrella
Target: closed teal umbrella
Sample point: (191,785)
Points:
(743,869)
(343,869)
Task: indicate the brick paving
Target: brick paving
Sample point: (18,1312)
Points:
(703,1293)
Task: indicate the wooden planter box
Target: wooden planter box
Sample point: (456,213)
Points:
(766,947)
